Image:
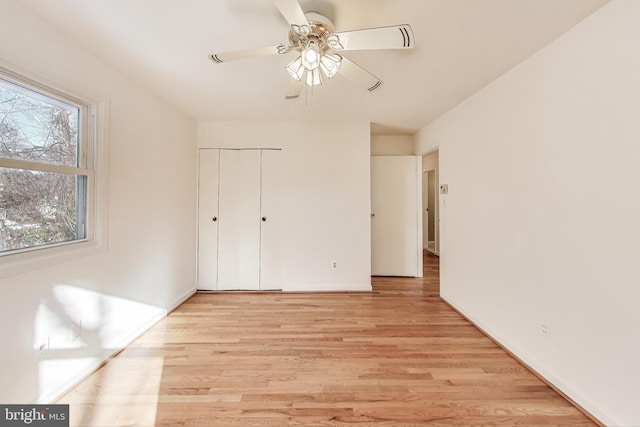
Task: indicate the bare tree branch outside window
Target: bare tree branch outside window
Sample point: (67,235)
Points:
(37,207)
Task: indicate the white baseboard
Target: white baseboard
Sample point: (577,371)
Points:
(180,300)
(555,383)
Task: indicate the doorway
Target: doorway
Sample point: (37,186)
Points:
(430,203)
(429,210)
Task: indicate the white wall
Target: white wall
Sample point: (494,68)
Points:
(325,197)
(392,145)
(537,163)
(148,264)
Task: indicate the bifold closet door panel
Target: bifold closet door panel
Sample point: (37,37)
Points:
(239,220)
(208,219)
(270,221)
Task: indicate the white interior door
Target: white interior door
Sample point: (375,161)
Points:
(239,220)
(394,216)
(208,220)
(270,221)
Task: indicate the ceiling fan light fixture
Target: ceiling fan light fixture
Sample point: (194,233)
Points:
(330,64)
(318,48)
(314,78)
(311,57)
(295,69)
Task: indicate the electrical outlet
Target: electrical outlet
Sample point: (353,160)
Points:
(43,349)
(76,330)
(334,265)
(545,330)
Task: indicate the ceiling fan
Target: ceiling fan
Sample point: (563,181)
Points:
(320,49)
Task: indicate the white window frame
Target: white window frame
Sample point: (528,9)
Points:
(93,133)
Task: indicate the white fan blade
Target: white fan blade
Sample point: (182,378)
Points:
(359,75)
(292,12)
(295,89)
(219,58)
(394,37)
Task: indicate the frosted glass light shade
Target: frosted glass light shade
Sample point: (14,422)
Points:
(330,64)
(311,57)
(295,69)
(314,78)
(314,64)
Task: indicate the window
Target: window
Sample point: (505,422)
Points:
(46,180)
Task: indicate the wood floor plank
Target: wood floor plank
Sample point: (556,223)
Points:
(396,356)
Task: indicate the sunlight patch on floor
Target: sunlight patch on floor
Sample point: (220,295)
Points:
(124,391)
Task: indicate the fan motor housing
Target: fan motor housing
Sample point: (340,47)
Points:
(321,28)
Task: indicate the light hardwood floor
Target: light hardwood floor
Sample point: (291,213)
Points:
(396,356)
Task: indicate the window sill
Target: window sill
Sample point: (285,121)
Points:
(35,259)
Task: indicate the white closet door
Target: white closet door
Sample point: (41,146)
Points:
(394,219)
(239,220)
(208,220)
(270,224)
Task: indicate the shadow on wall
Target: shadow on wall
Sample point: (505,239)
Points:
(77,329)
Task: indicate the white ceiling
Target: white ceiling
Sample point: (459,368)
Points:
(461,45)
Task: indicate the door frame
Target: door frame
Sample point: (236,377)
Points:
(427,214)
(436,193)
(425,210)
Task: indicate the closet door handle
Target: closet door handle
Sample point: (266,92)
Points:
(264,219)
(214,219)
